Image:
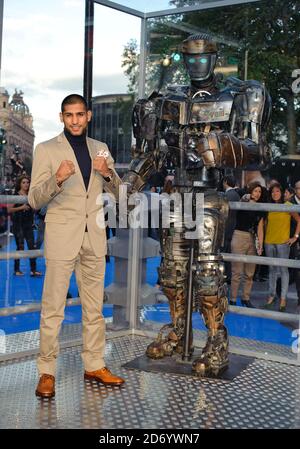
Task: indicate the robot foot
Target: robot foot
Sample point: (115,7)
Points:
(214,358)
(166,345)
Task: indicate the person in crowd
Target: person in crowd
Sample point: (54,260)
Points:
(272,182)
(277,244)
(295,248)
(168,186)
(231,194)
(17,166)
(22,225)
(289,193)
(248,223)
(68,173)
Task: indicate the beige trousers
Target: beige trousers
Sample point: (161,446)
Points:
(90,271)
(242,243)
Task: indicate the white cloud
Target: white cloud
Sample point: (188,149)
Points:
(43,54)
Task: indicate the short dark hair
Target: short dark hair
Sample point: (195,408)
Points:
(230,180)
(73,99)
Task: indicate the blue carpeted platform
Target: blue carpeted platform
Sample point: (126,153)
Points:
(22,290)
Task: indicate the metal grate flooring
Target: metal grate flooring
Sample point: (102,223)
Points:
(265,395)
(238,344)
(29,341)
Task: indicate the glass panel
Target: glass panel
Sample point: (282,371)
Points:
(112,106)
(36,76)
(52,67)
(254,43)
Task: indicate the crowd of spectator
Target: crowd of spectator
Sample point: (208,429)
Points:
(273,234)
(21,219)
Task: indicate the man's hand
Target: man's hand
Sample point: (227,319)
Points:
(100,165)
(65,170)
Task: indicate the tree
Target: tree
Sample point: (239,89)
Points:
(262,37)
(269,32)
(130,59)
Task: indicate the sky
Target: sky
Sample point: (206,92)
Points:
(42,54)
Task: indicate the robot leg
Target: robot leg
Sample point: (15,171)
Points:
(173,277)
(210,288)
(214,357)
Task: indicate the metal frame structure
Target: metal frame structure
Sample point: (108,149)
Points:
(133,269)
(144,16)
(1,31)
(135,239)
(203,4)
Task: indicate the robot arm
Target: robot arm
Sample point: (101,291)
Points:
(140,171)
(148,156)
(245,145)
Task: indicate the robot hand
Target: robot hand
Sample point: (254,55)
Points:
(194,161)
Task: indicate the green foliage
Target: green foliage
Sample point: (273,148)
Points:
(130,64)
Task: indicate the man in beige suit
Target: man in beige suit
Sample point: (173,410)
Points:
(69,173)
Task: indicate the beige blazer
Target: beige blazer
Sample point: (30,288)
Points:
(71,207)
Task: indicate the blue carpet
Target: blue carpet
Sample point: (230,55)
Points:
(22,290)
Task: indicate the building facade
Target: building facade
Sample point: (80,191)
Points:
(112,124)
(17,122)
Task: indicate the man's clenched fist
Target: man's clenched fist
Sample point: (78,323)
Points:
(65,170)
(100,165)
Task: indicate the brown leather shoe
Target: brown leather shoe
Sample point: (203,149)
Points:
(104,376)
(45,388)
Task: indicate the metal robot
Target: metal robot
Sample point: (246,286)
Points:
(200,130)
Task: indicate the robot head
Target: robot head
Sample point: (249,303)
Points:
(200,56)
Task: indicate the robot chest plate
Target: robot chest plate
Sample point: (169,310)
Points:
(196,111)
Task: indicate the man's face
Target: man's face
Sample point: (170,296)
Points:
(75,118)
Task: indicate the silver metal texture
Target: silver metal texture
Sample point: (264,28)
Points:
(196,7)
(233,205)
(261,260)
(13,199)
(21,254)
(142,59)
(120,7)
(265,395)
(268,207)
(166,12)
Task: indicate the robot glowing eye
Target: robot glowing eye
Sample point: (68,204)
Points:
(192,60)
(203,60)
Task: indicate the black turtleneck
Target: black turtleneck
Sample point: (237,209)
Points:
(80,148)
